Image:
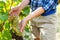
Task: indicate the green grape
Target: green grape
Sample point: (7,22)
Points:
(14,24)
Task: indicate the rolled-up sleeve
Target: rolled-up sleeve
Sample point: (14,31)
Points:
(48,5)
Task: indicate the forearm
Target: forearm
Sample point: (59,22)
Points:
(36,13)
(23,4)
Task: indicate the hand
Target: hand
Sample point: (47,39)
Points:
(14,11)
(22,25)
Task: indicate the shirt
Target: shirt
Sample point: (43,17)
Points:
(48,5)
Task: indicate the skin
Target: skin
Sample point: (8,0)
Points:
(16,10)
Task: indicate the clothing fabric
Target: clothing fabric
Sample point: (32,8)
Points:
(46,22)
(48,5)
(46,25)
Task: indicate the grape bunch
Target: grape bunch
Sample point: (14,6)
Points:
(15,31)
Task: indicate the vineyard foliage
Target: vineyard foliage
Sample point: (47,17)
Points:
(5,25)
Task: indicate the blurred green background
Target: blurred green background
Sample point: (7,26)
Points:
(6,28)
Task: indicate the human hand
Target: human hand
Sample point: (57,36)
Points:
(22,25)
(14,11)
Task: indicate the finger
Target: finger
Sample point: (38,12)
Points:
(11,12)
(22,29)
(21,26)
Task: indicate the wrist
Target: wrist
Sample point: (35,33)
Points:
(18,7)
(26,19)
(29,17)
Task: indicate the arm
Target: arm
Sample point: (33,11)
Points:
(16,10)
(40,10)
(23,4)
(36,13)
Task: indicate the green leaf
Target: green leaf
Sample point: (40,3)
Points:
(26,10)
(7,35)
(3,17)
(2,3)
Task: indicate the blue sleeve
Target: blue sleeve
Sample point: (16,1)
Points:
(48,5)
